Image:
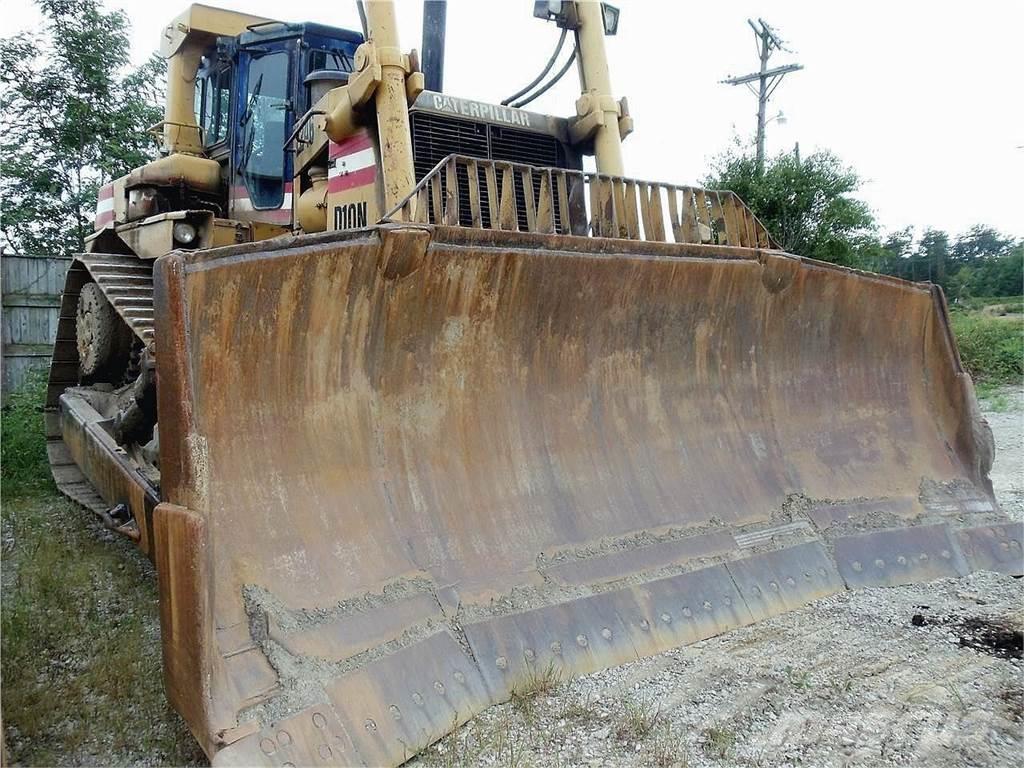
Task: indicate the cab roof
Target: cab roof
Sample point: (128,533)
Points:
(275,30)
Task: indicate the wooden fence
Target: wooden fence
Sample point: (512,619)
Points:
(31,289)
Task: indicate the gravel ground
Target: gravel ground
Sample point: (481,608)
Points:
(1005,413)
(902,676)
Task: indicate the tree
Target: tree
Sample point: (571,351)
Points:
(73,117)
(999,276)
(981,242)
(986,263)
(808,205)
(932,256)
(897,249)
(980,262)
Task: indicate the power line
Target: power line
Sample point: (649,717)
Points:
(768,41)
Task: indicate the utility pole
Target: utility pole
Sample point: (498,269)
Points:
(768,41)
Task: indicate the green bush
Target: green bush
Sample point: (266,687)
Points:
(992,348)
(24,469)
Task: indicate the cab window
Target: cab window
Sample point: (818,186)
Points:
(199,93)
(320,58)
(216,107)
(263,127)
(213,101)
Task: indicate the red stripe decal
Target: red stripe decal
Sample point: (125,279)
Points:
(106,192)
(103,219)
(359,178)
(277,216)
(351,145)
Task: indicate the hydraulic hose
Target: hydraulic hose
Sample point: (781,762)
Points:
(543,72)
(550,83)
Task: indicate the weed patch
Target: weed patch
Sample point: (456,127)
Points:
(539,682)
(718,742)
(639,719)
(82,679)
(991,348)
(798,678)
(24,470)
(577,709)
(498,742)
(667,748)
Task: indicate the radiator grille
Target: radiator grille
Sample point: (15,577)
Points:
(522,147)
(434,137)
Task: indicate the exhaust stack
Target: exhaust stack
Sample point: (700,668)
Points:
(435,13)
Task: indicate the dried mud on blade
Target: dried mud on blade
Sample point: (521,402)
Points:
(409,468)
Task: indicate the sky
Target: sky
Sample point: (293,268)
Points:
(922,99)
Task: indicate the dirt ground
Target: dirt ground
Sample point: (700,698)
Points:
(927,675)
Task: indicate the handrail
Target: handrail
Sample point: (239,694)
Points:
(494,194)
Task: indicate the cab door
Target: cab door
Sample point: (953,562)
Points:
(261,186)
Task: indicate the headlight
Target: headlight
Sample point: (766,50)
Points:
(184,233)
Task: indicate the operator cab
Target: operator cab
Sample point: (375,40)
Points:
(249,90)
(252,89)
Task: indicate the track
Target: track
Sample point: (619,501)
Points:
(127,281)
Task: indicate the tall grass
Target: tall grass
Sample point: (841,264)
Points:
(80,644)
(24,470)
(992,348)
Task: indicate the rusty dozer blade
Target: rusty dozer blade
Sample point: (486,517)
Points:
(407,469)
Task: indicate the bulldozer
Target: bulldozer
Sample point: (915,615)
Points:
(407,407)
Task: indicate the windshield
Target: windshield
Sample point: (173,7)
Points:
(264,129)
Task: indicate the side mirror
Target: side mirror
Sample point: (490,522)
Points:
(610,15)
